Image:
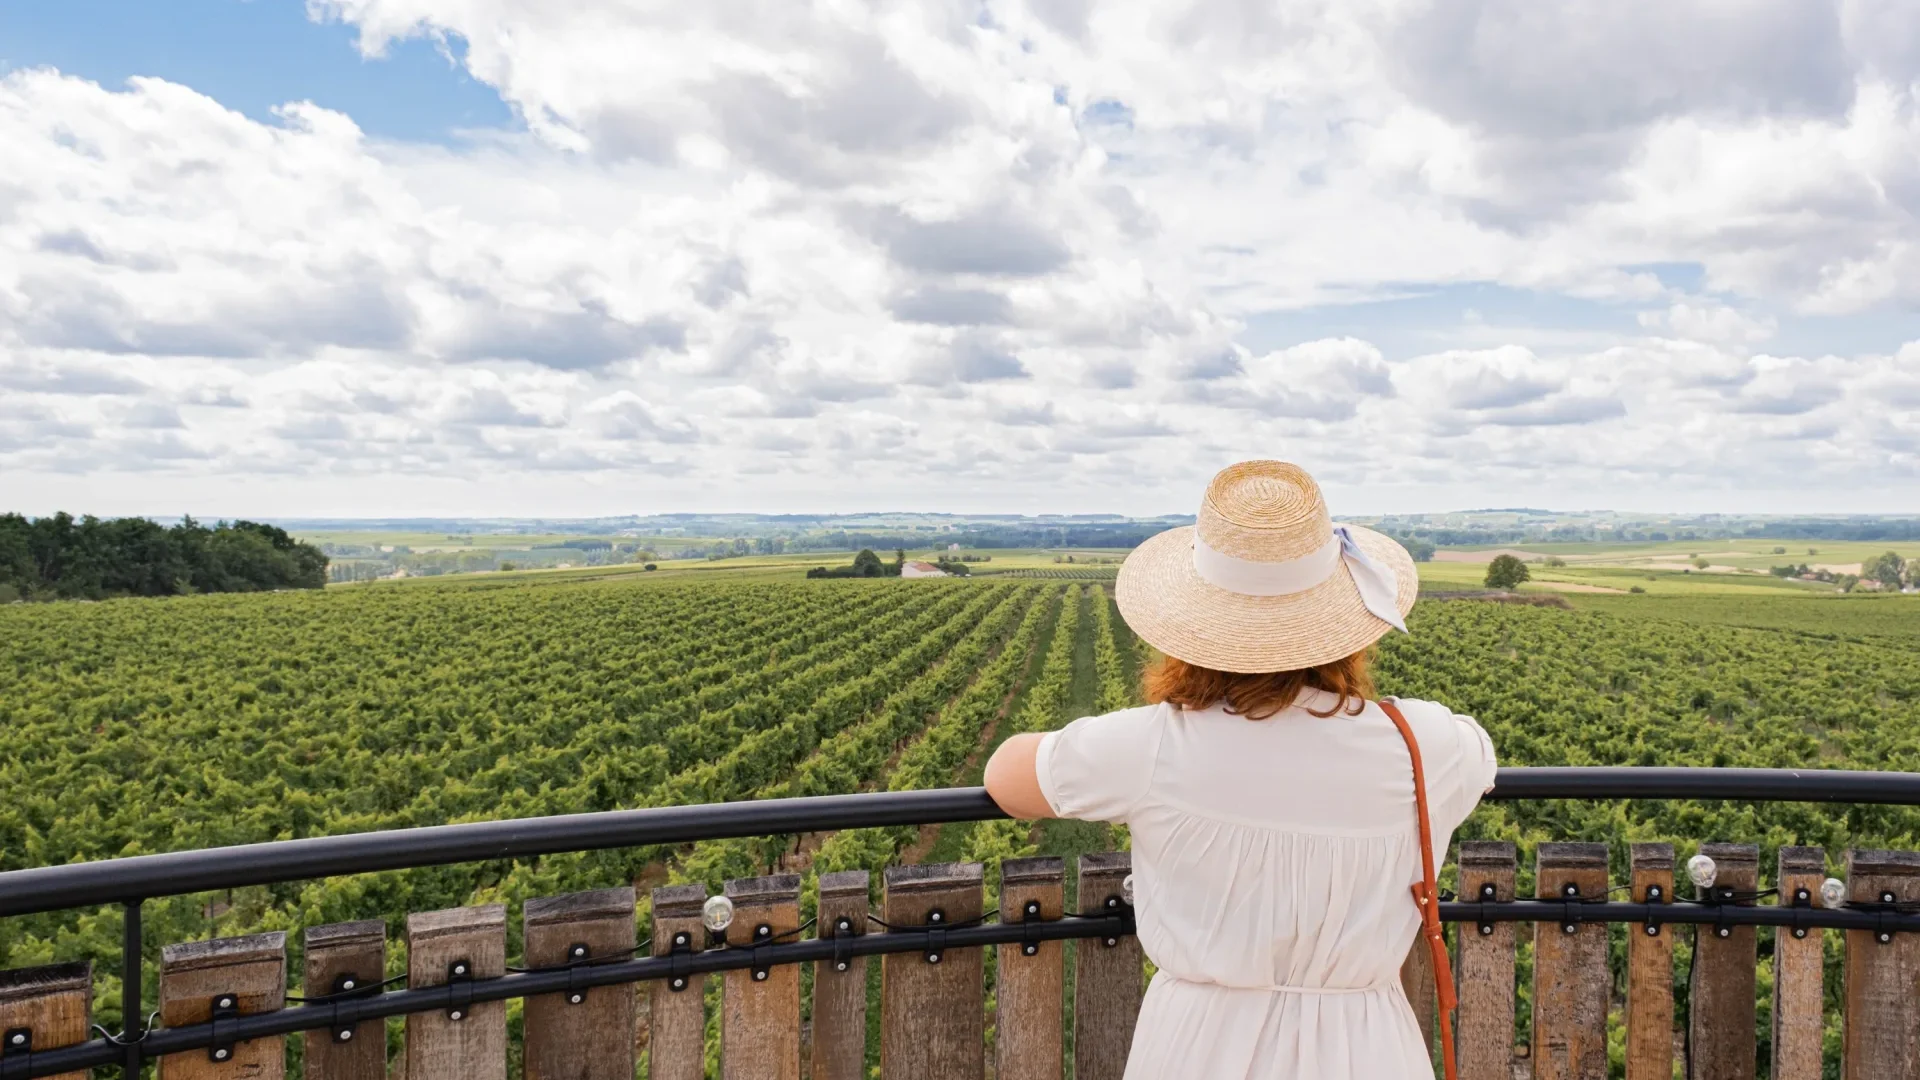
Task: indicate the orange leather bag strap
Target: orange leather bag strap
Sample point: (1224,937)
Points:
(1426,893)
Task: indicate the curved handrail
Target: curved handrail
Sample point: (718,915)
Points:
(141,877)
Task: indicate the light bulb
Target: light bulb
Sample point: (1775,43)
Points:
(717,913)
(1702,871)
(1833,893)
(1126,889)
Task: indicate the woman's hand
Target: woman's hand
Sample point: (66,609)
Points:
(1014,780)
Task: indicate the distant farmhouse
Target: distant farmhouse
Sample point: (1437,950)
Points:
(921,569)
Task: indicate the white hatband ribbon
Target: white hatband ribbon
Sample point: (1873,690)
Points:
(1379,590)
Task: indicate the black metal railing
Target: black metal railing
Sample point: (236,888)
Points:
(130,882)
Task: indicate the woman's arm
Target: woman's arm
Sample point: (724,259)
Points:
(1014,780)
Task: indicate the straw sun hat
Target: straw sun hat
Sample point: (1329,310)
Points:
(1264,581)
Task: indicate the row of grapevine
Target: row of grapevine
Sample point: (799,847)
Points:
(933,759)
(854,758)
(1116,691)
(1043,710)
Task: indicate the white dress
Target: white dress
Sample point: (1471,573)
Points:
(1271,865)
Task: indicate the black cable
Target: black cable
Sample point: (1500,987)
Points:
(603,958)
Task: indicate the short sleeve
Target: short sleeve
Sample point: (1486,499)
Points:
(1098,768)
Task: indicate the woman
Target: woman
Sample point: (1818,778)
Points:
(1271,802)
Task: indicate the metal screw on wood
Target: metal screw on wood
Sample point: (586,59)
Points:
(680,939)
(19,1039)
(933,958)
(347,984)
(344,1035)
(454,1015)
(579,952)
(224,1003)
(576,998)
(1653,929)
(760,976)
(841,966)
(222,1054)
(459,969)
(679,984)
(1723,931)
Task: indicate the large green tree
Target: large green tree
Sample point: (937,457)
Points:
(1506,572)
(1884,568)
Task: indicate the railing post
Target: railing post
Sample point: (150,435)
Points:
(1484,965)
(45,1008)
(1721,1014)
(1571,981)
(932,1017)
(1030,977)
(133,1017)
(1107,975)
(840,993)
(579,1034)
(1799,1026)
(224,978)
(467,1041)
(1650,967)
(1882,1015)
(346,958)
(677,1024)
(760,1012)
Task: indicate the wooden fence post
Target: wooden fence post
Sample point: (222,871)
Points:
(760,1016)
(1799,1026)
(581,1034)
(1721,1013)
(1107,975)
(1650,967)
(1484,965)
(932,1018)
(677,1041)
(1882,1016)
(45,1008)
(1030,978)
(468,1041)
(202,980)
(342,958)
(840,993)
(1571,982)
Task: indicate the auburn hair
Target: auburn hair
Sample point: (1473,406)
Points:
(1261,695)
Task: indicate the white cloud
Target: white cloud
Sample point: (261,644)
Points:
(1015,246)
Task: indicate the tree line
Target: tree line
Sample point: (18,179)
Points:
(88,558)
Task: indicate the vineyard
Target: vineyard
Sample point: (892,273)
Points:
(145,725)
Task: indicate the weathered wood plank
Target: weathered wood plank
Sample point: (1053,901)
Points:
(1650,967)
(1571,982)
(1882,1024)
(243,975)
(468,1042)
(932,1016)
(1722,1015)
(1030,978)
(45,1008)
(676,1045)
(840,993)
(345,958)
(1799,1028)
(760,1015)
(1484,966)
(581,1034)
(1107,976)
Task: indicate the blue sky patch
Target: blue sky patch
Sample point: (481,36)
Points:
(251,55)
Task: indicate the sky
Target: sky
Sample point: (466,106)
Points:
(584,257)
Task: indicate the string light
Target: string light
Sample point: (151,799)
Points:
(1702,871)
(1126,889)
(717,913)
(1833,893)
